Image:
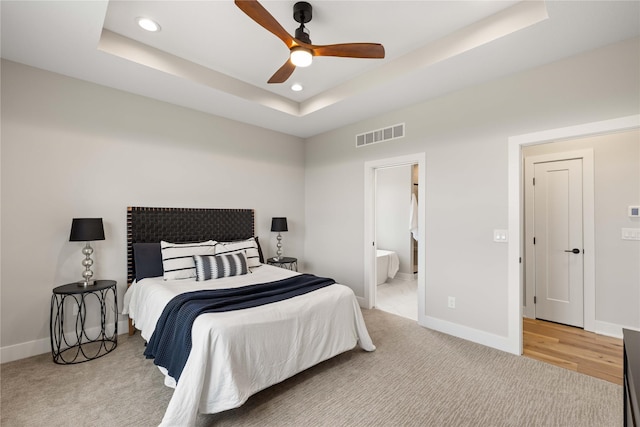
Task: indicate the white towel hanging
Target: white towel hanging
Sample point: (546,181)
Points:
(413,217)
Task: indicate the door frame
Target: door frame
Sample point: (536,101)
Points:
(516,229)
(370,168)
(588,234)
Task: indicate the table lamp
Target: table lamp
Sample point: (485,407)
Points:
(279,224)
(86,230)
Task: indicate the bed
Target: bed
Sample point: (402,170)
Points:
(234,354)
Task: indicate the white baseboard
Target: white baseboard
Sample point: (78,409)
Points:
(27,349)
(362,302)
(470,334)
(33,348)
(611,329)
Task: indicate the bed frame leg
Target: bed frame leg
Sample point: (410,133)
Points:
(132,329)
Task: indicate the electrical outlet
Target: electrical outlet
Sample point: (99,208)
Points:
(452,302)
(74,309)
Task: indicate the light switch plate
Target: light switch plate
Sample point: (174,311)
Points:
(500,236)
(631,234)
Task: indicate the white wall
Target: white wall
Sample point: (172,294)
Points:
(71,149)
(75,149)
(617,186)
(393,197)
(464,136)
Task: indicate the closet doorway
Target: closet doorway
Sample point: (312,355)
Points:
(394,214)
(518,295)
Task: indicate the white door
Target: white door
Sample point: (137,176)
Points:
(558,244)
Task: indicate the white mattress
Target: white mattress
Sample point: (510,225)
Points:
(238,353)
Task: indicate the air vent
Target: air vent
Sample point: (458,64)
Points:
(380,135)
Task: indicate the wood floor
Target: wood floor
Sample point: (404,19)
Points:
(573,348)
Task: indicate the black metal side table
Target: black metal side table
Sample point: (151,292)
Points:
(285,262)
(74,345)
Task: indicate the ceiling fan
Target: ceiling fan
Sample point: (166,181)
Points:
(300,47)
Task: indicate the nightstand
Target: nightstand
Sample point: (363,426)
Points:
(77,344)
(285,262)
(631,378)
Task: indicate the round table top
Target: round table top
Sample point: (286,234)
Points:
(282,260)
(79,288)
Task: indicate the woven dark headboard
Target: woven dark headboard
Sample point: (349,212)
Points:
(181,225)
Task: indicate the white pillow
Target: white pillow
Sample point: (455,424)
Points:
(177,258)
(216,266)
(250,246)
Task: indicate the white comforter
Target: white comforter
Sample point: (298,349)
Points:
(238,353)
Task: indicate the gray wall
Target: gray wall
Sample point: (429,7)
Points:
(617,186)
(464,137)
(74,149)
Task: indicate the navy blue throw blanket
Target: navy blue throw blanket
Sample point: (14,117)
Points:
(170,343)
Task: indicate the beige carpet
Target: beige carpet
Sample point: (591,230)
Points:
(416,377)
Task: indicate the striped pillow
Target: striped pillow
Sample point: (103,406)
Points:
(177,258)
(250,246)
(216,266)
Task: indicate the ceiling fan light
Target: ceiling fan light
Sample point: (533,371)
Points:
(301,57)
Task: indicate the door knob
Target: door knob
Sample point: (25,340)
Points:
(574,250)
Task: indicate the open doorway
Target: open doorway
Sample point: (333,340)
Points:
(413,266)
(396,269)
(517,292)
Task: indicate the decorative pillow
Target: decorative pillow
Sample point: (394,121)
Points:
(177,258)
(259,250)
(147,259)
(250,246)
(216,266)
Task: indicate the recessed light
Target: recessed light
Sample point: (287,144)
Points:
(148,24)
(296,87)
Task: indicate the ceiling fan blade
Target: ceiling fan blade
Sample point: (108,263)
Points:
(258,13)
(350,50)
(283,73)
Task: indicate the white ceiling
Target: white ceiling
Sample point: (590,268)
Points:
(211,57)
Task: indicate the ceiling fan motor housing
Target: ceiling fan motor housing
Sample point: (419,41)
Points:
(302,13)
(302,34)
